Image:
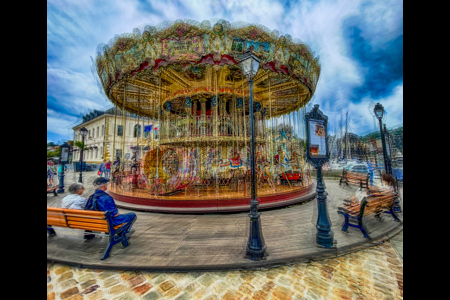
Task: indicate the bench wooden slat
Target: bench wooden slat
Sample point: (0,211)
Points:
(56,222)
(77,223)
(76,212)
(105,230)
(88,220)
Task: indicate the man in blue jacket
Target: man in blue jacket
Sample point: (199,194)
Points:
(101,201)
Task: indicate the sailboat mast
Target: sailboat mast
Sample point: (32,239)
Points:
(346,136)
(342,138)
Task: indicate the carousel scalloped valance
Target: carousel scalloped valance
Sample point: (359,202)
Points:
(172,61)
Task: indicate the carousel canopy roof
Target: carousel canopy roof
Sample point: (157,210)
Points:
(187,59)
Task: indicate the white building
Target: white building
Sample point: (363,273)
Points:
(100,138)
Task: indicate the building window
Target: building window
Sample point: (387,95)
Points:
(118,153)
(93,132)
(103,130)
(98,132)
(137,130)
(119,130)
(96,152)
(89,134)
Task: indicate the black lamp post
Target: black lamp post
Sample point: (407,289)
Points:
(63,160)
(388,149)
(379,111)
(317,154)
(256,247)
(83,132)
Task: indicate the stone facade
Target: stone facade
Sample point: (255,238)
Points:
(100,137)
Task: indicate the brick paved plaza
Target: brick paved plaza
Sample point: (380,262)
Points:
(375,272)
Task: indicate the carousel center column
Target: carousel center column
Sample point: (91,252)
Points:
(188,109)
(203,116)
(167,119)
(214,113)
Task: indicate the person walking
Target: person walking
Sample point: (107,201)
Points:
(108,170)
(50,172)
(101,201)
(102,168)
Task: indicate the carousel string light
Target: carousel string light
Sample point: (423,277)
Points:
(200,146)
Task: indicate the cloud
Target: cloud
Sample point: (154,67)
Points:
(360,44)
(57,124)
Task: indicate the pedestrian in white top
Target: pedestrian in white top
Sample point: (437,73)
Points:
(74,199)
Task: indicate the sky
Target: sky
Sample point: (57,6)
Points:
(359,44)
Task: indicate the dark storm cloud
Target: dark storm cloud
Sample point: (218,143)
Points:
(381,63)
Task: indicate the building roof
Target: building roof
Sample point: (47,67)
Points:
(97,113)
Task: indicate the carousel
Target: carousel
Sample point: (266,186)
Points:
(183,82)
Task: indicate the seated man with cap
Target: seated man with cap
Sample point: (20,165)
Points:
(101,201)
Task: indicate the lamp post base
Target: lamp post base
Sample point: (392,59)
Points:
(254,254)
(325,239)
(256,248)
(396,207)
(61,183)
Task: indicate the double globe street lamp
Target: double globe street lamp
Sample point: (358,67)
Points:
(256,247)
(83,133)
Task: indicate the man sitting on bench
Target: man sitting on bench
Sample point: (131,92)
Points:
(101,201)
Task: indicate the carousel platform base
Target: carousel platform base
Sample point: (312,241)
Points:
(213,242)
(199,205)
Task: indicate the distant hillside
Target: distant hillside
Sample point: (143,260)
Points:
(376,134)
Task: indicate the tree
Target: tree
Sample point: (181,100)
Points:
(79,144)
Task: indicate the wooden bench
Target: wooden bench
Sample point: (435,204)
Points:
(361,179)
(52,190)
(376,203)
(98,222)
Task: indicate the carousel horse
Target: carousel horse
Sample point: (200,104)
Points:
(268,175)
(281,163)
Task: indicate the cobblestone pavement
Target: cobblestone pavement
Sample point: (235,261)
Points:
(372,273)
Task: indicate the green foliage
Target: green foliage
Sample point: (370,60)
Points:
(79,144)
(57,153)
(51,144)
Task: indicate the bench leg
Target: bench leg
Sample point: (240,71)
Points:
(394,215)
(125,242)
(107,250)
(54,193)
(51,231)
(361,227)
(345,227)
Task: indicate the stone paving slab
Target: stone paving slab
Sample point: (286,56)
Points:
(372,273)
(174,242)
